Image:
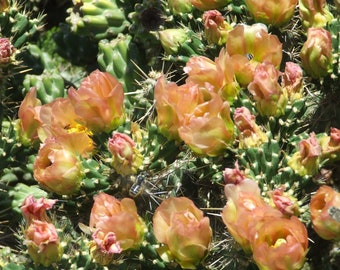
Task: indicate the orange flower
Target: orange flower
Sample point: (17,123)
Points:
(29,118)
(280,244)
(109,215)
(181,227)
(209,4)
(208,129)
(36,209)
(269,97)
(271,12)
(57,166)
(306,160)
(6,48)
(321,205)
(126,157)
(250,134)
(172,103)
(42,241)
(99,102)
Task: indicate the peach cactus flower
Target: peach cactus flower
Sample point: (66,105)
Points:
(316,53)
(36,209)
(29,118)
(292,80)
(172,103)
(330,145)
(306,160)
(184,231)
(209,4)
(215,27)
(43,244)
(126,158)
(314,13)
(57,166)
(250,134)
(99,102)
(250,45)
(270,98)
(109,215)
(271,12)
(280,244)
(321,204)
(208,130)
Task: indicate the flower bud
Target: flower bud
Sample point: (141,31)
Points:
(6,51)
(234,176)
(181,227)
(322,202)
(269,97)
(292,80)
(216,29)
(171,39)
(99,102)
(285,203)
(126,158)
(314,13)
(271,12)
(316,53)
(180,6)
(42,242)
(331,145)
(306,160)
(209,4)
(250,134)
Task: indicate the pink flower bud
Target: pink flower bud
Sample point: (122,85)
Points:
(306,160)
(250,134)
(209,4)
(185,233)
(314,13)
(215,27)
(117,223)
(36,209)
(280,243)
(126,159)
(321,204)
(271,12)
(99,102)
(29,118)
(6,49)
(284,202)
(316,53)
(234,176)
(292,80)
(42,242)
(269,97)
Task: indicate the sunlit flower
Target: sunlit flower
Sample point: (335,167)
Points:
(180,6)
(29,118)
(306,160)
(321,205)
(331,145)
(269,96)
(184,231)
(271,12)
(36,208)
(314,13)
(209,4)
(58,167)
(280,244)
(250,134)
(42,242)
(215,27)
(250,45)
(109,215)
(172,103)
(316,53)
(284,202)
(126,158)
(292,80)
(208,130)
(99,102)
